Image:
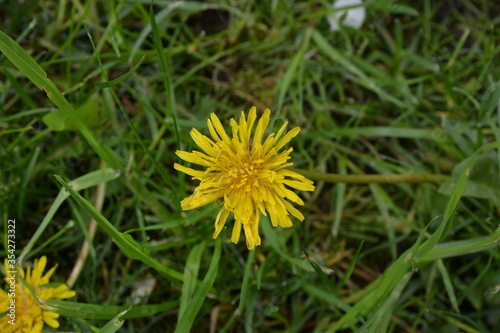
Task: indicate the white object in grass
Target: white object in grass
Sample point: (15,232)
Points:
(352,17)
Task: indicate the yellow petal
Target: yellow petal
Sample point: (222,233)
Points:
(203,142)
(293,174)
(189,171)
(246,126)
(261,127)
(38,268)
(50,319)
(273,138)
(195,157)
(220,221)
(252,234)
(299,185)
(28,275)
(255,229)
(235,128)
(243,128)
(282,218)
(293,197)
(6,265)
(60,291)
(66,294)
(235,237)
(295,212)
(46,277)
(288,136)
(198,199)
(273,214)
(219,128)
(212,131)
(252,116)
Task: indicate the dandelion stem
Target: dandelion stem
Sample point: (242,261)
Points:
(364,179)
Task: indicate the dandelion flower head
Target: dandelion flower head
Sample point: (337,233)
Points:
(248,173)
(29,315)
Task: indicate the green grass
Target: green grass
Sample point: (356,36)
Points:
(95,100)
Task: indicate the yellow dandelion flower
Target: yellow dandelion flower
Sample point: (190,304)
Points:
(24,314)
(248,174)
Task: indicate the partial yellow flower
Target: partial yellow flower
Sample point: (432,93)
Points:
(248,174)
(27,316)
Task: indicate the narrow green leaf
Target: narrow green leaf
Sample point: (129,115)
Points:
(27,176)
(448,285)
(483,178)
(245,284)
(89,180)
(462,247)
(458,48)
(126,249)
(20,90)
(489,100)
(291,72)
(181,6)
(319,272)
(190,277)
(479,278)
(274,242)
(50,241)
(393,7)
(194,306)
(23,61)
(382,317)
(349,271)
(387,132)
(167,79)
(195,216)
(325,47)
(330,298)
(114,324)
(131,249)
(383,202)
(449,213)
(159,169)
(106,312)
(384,286)
(252,305)
(340,190)
(109,84)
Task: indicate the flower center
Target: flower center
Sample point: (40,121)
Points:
(245,175)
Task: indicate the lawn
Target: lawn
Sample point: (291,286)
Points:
(399,131)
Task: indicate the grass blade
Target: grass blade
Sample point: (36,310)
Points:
(245,285)
(114,324)
(109,84)
(160,170)
(190,277)
(461,247)
(23,61)
(448,285)
(449,213)
(189,315)
(167,81)
(292,70)
(89,180)
(106,312)
(366,81)
(124,241)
